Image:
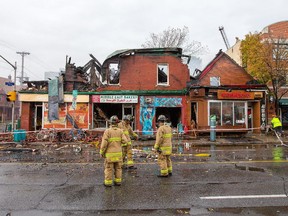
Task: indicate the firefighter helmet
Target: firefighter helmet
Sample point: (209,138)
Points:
(114,119)
(162,118)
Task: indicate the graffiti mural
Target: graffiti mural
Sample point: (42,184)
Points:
(146,120)
(167,102)
(148,107)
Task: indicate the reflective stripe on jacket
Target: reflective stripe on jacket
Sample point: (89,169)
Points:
(127,130)
(112,140)
(164,139)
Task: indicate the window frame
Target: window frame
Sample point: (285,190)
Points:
(166,65)
(234,123)
(117,71)
(217,78)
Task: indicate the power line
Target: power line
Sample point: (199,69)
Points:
(32,73)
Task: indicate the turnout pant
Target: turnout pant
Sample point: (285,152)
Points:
(112,169)
(165,164)
(127,155)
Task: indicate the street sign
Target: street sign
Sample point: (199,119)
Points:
(9,83)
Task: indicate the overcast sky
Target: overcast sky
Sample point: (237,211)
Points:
(51,29)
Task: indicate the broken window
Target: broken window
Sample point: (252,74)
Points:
(103,112)
(114,72)
(162,74)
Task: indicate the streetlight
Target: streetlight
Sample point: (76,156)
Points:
(13,102)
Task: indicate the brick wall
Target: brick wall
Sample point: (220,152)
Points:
(276,30)
(229,72)
(139,72)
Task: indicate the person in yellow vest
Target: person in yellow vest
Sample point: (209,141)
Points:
(127,147)
(163,146)
(276,124)
(111,150)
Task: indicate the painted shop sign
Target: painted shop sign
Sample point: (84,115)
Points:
(44,98)
(223,94)
(114,99)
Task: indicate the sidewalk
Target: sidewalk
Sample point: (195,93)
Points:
(248,139)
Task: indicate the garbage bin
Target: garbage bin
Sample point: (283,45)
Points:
(213,128)
(19,135)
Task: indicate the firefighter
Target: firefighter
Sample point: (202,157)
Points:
(111,150)
(127,147)
(276,124)
(163,147)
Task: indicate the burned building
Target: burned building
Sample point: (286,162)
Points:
(145,83)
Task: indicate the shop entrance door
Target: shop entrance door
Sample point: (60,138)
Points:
(250,118)
(38,117)
(128,110)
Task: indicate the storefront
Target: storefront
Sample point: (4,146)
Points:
(235,110)
(283,104)
(145,109)
(35,112)
(153,106)
(104,106)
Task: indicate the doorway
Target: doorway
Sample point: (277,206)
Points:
(250,118)
(173,114)
(38,123)
(128,109)
(194,112)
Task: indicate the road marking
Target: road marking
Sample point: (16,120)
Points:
(245,197)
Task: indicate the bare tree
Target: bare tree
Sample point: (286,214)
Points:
(276,60)
(175,37)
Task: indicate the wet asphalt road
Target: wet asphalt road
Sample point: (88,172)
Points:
(247,180)
(200,185)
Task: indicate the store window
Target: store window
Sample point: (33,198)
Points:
(215,109)
(239,113)
(228,112)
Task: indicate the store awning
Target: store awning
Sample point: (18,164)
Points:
(283,102)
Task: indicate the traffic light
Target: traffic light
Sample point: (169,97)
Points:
(11,96)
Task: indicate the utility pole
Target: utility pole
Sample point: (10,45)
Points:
(22,71)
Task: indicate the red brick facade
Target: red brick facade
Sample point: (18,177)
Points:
(276,30)
(234,100)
